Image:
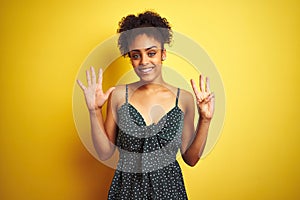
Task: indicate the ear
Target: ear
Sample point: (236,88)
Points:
(163,54)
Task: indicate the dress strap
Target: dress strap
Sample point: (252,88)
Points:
(126,94)
(177,96)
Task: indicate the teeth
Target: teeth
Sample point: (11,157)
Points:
(146,70)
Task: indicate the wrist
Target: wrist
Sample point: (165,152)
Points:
(204,120)
(95,111)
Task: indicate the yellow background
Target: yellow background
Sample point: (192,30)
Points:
(255,46)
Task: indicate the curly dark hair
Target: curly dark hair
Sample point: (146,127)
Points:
(149,23)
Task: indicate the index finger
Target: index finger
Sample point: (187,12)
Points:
(194,87)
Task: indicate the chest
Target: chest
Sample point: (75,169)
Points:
(152,108)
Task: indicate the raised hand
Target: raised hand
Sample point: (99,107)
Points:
(205,98)
(94,96)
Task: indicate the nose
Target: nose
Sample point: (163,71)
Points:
(144,59)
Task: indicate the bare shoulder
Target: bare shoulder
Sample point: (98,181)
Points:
(186,96)
(186,100)
(118,95)
(119,89)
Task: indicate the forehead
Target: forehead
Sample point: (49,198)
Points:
(143,41)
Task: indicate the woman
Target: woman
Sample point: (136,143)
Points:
(148,120)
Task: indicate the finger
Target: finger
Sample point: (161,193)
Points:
(88,77)
(199,95)
(100,79)
(207,88)
(194,87)
(201,82)
(93,75)
(210,97)
(109,91)
(81,85)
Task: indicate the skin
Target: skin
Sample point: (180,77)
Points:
(152,97)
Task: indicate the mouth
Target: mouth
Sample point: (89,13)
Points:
(146,70)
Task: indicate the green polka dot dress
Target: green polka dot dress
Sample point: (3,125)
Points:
(147,167)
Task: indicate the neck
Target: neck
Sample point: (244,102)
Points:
(150,86)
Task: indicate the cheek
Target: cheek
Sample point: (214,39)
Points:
(134,63)
(158,60)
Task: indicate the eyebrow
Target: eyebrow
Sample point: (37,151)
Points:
(145,49)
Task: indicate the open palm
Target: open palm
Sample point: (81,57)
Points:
(94,95)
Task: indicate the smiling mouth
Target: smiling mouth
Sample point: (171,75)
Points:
(146,70)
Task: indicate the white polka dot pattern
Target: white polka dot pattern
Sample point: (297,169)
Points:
(147,168)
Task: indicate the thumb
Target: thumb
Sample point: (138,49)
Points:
(109,91)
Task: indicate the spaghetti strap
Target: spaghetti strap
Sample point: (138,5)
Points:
(126,94)
(178,92)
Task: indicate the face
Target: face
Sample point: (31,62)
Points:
(146,57)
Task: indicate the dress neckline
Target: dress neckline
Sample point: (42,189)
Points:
(143,119)
(139,113)
(159,121)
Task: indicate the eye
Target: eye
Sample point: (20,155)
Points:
(135,56)
(151,54)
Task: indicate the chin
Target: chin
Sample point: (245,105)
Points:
(146,80)
(149,79)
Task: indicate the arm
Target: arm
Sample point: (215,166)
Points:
(193,141)
(102,136)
